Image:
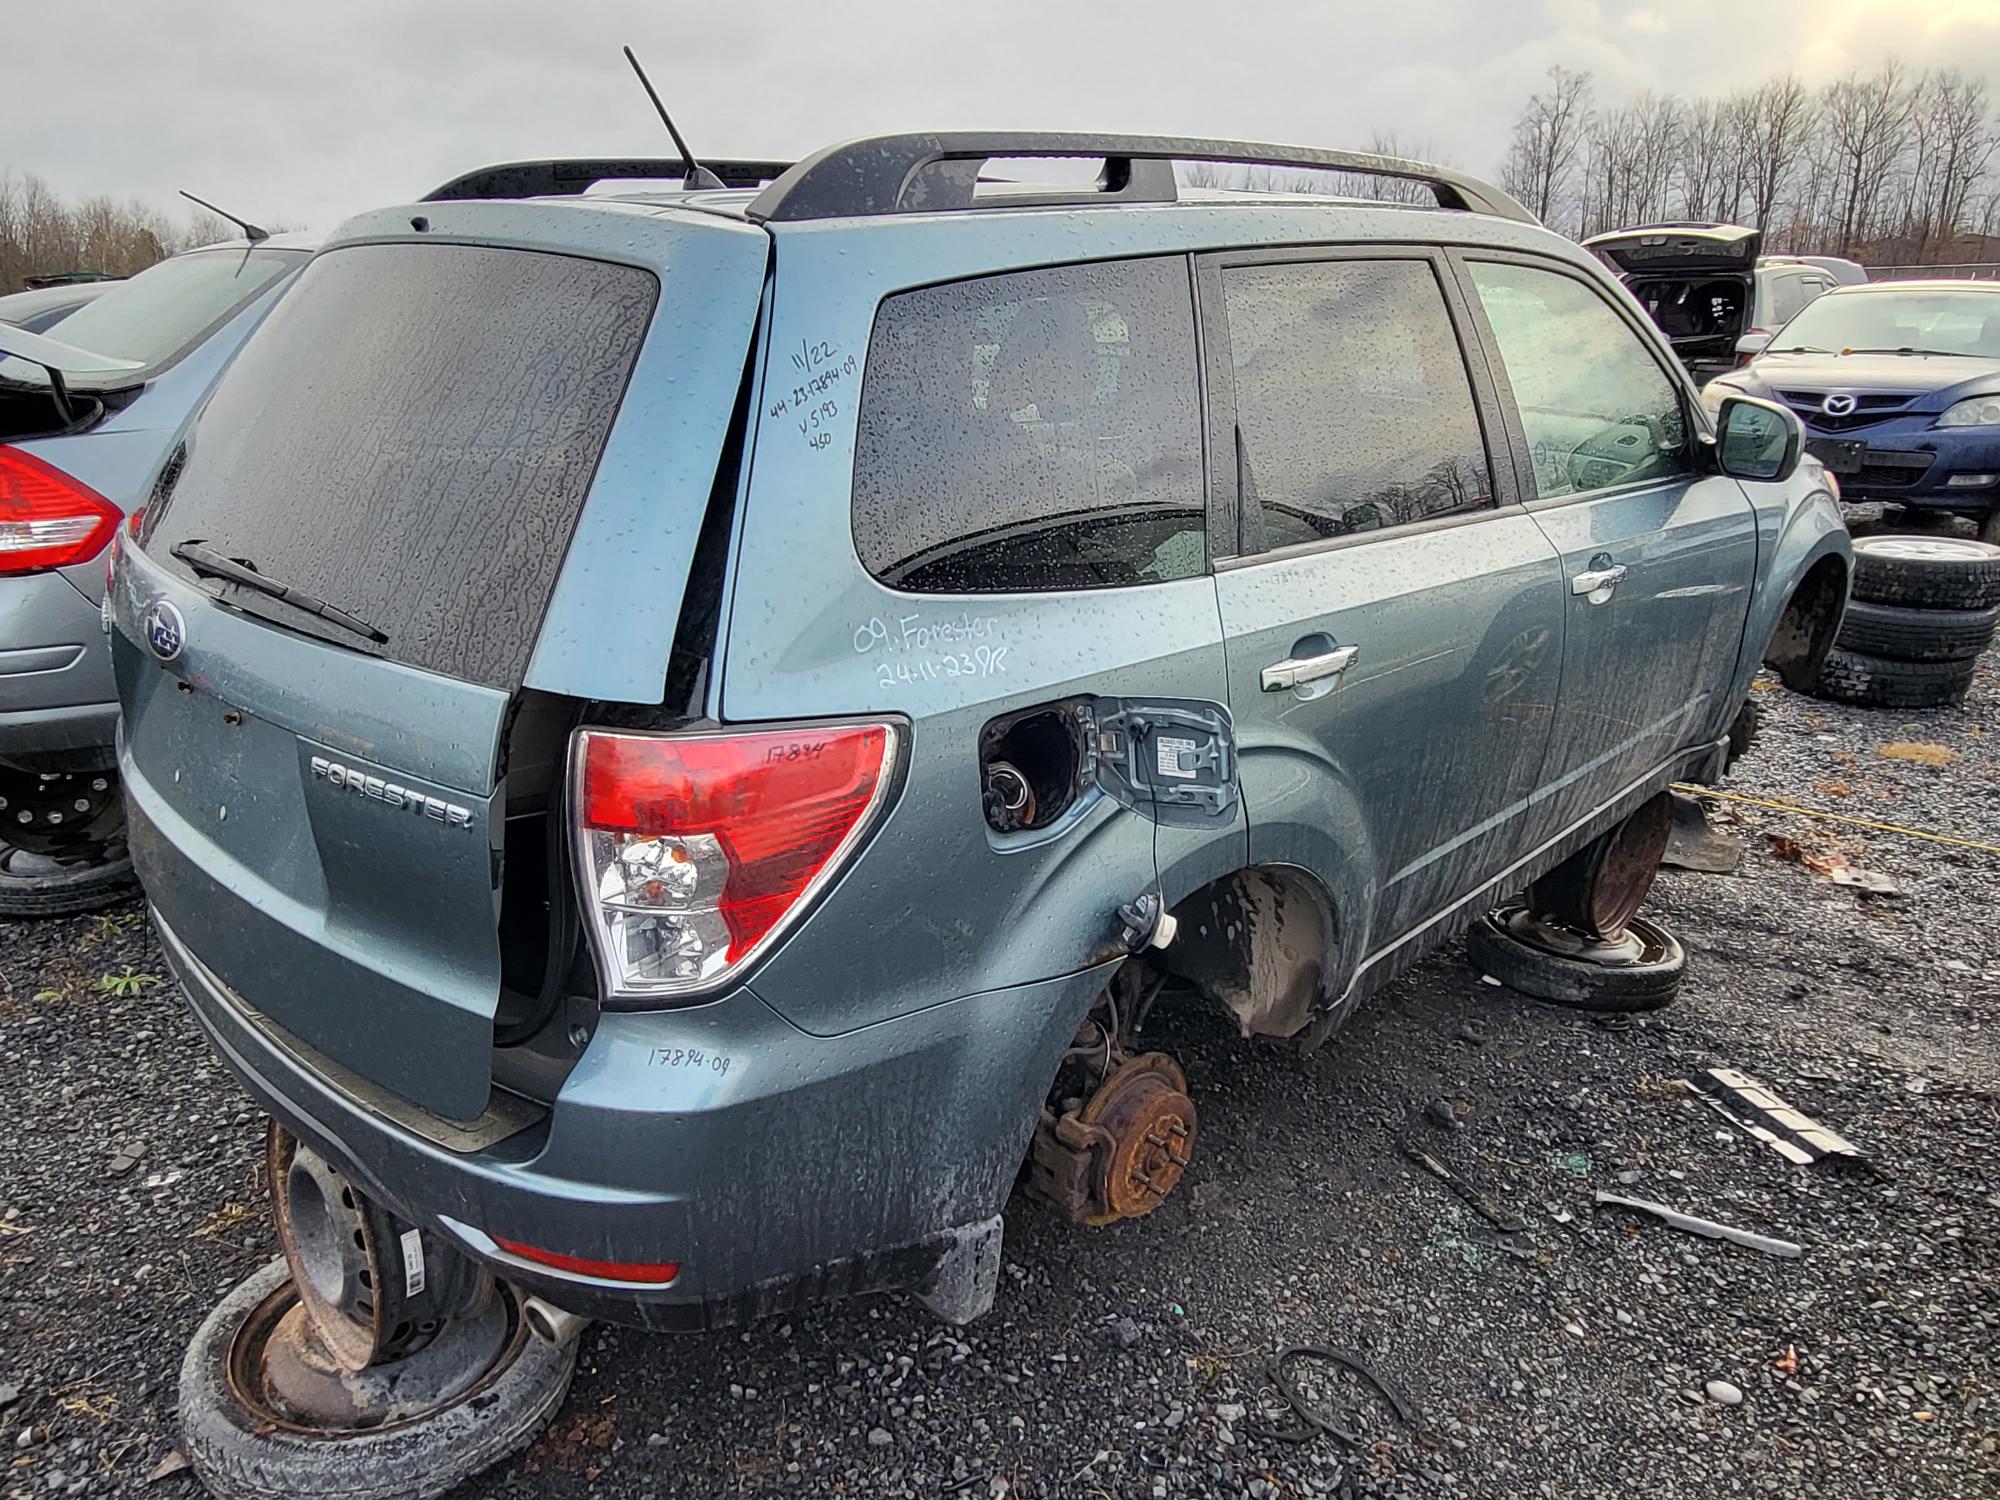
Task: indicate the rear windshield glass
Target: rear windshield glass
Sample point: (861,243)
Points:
(167,309)
(409,437)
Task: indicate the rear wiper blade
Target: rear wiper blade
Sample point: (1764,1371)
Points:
(213,564)
(1799,349)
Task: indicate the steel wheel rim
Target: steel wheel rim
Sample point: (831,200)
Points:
(245,1358)
(63,815)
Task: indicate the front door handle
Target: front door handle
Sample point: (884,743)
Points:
(1596,584)
(1295,671)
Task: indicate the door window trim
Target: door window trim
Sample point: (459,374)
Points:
(1229,547)
(1694,419)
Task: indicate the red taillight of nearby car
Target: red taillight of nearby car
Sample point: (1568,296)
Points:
(47,519)
(694,850)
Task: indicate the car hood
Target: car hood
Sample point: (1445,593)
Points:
(1940,378)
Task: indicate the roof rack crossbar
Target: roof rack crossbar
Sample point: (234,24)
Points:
(892,174)
(563,177)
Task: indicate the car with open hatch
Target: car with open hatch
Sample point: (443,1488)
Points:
(678,761)
(1710,290)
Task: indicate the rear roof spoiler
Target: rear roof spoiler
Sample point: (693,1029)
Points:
(62,361)
(566,176)
(893,174)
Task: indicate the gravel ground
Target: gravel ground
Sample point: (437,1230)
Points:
(1574,1358)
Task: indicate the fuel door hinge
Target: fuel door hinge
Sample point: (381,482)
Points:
(1172,759)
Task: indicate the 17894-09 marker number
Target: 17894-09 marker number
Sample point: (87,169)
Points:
(688,1057)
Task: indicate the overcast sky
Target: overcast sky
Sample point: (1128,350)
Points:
(303,111)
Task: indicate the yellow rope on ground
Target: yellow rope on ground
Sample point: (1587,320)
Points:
(1834,817)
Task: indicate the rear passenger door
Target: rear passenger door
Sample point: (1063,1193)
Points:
(1392,615)
(1657,555)
(976,496)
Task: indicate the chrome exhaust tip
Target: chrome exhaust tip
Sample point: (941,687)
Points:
(551,1324)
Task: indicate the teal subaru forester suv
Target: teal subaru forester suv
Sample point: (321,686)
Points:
(673,736)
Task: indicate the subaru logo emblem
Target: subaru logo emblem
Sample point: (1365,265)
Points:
(1838,406)
(166,631)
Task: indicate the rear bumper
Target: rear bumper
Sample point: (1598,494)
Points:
(773,1166)
(56,692)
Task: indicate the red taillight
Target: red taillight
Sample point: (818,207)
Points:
(642,1272)
(47,519)
(695,849)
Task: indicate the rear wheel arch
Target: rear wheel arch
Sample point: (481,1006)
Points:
(1808,624)
(1266,942)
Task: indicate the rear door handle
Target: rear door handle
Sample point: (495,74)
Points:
(1598,581)
(1295,671)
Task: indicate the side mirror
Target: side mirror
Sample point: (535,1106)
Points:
(1753,343)
(1757,439)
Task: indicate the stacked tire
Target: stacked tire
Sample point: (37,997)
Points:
(1921,610)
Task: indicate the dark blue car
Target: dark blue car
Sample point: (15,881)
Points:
(1898,384)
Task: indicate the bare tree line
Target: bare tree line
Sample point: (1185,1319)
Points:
(42,235)
(1892,167)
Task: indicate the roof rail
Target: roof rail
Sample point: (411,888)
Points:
(563,177)
(892,174)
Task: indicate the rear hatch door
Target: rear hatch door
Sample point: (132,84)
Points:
(414,438)
(1692,248)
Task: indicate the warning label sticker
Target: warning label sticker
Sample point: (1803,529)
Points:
(1169,751)
(413,1263)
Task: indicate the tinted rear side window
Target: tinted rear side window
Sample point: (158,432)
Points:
(1033,431)
(410,436)
(1353,406)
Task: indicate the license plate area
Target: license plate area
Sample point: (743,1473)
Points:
(1840,455)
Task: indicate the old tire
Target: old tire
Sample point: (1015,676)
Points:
(33,886)
(1644,985)
(1917,634)
(1878,682)
(241,1454)
(1927,572)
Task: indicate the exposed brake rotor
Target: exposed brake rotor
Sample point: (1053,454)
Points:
(1117,1151)
(1144,1107)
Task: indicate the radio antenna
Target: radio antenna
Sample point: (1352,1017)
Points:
(698,176)
(251,232)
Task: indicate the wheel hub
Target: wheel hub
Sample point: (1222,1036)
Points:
(1119,1153)
(1145,1109)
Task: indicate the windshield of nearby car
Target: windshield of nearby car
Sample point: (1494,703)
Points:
(166,309)
(1931,321)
